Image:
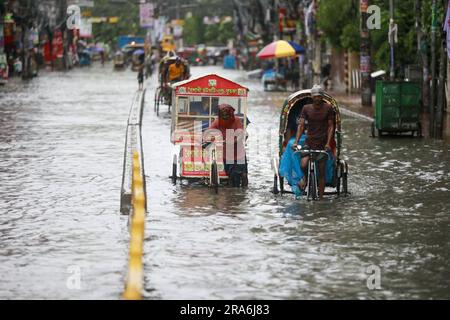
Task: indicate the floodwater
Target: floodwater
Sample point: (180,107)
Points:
(62,139)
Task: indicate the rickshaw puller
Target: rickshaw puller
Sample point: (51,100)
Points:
(176,71)
(235,167)
(320,119)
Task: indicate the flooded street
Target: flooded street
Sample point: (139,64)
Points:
(62,142)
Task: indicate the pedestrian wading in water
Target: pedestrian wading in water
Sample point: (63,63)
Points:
(141,77)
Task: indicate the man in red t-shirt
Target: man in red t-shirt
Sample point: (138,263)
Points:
(320,117)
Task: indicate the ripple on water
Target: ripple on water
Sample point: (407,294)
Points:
(62,169)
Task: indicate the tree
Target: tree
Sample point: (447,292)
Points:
(226,32)
(193,30)
(211,35)
(340,28)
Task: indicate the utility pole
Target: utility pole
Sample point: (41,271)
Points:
(309,32)
(302,83)
(26,18)
(365,63)
(441,98)
(433,69)
(422,50)
(276,21)
(391,40)
(63,8)
(418,10)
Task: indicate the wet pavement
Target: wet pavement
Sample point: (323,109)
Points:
(62,139)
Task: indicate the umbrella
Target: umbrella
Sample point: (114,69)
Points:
(277,49)
(96,49)
(139,52)
(298,48)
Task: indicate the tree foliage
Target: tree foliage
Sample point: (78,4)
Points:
(128,23)
(193,30)
(226,32)
(339,20)
(196,32)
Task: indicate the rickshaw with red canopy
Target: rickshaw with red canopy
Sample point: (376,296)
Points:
(195,107)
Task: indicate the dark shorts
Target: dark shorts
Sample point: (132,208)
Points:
(235,168)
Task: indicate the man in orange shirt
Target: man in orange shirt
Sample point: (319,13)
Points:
(176,71)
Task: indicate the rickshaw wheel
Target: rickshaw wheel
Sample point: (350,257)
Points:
(345,183)
(215,177)
(312,190)
(275,185)
(281,185)
(174,169)
(419,130)
(156,99)
(373,129)
(344,174)
(338,180)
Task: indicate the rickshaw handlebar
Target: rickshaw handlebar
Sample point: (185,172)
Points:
(306,152)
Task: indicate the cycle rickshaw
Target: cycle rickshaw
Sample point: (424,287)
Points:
(336,167)
(196,103)
(163,94)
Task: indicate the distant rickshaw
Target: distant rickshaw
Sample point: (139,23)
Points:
(137,59)
(119,60)
(129,50)
(168,43)
(271,78)
(163,94)
(85,58)
(336,168)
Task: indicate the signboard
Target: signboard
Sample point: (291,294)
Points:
(8,33)
(81,3)
(3,68)
(34,37)
(99,19)
(85,28)
(2,39)
(58,46)
(212,85)
(281,18)
(104,19)
(178,31)
(365,64)
(47,53)
(146,15)
(447,28)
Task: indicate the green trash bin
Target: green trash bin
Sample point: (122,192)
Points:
(397,107)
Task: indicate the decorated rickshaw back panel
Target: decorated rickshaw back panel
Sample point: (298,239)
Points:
(195,161)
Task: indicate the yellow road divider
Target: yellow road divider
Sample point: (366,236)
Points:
(134,284)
